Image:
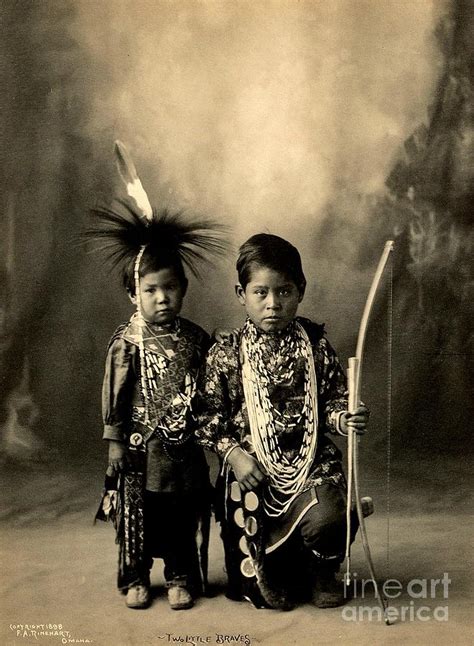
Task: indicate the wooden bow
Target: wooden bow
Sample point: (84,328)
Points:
(354,373)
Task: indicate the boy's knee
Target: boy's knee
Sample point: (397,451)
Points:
(325,523)
(320,528)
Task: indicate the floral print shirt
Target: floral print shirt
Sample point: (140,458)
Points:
(222,419)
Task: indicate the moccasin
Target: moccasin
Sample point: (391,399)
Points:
(179,597)
(138,597)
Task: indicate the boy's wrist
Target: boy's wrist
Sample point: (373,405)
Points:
(116,449)
(342,424)
(234,453)
(224,445)
(225,459)
(337,422)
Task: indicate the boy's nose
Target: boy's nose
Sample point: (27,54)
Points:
(161,296)
(273,301)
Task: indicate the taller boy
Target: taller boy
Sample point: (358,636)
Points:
(269,404)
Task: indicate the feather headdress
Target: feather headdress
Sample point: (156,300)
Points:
(131,232)
(128,227)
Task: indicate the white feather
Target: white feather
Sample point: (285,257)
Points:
(133,185)
(137,192)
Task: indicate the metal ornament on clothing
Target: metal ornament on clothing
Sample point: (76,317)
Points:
(245,518)
(136,439)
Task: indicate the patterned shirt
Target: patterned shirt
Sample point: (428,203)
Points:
(222,413)
(177,351)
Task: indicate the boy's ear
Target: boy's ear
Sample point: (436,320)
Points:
(301,289)
(132,297)
(240,292)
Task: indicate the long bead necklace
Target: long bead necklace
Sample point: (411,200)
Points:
(287,475)
(141,322)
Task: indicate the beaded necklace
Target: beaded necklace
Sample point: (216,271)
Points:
(125,229)
(141,323)
(287,476)
(171,427)
(159,359)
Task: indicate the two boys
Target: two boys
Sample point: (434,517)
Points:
(267,405)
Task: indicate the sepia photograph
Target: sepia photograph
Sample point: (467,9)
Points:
(236,335)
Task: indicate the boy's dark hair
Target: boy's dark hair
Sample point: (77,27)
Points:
(267,250)
(170,240)
(154,259)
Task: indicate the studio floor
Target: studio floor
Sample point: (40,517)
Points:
(58,576)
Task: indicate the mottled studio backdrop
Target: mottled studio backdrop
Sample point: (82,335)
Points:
(336,124)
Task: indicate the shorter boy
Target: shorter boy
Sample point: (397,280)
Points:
(268,405)
(157,485)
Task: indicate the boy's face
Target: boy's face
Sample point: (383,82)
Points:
(271,299)
(161,296)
